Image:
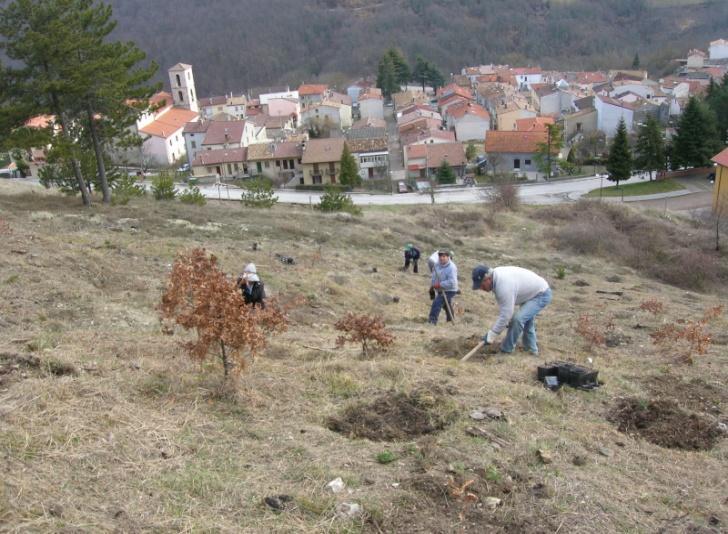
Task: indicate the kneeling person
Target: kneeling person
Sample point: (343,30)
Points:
(252,288)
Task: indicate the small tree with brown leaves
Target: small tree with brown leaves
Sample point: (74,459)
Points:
(201,297)
(652,305)
(365,329)
(594,334)
(689,337)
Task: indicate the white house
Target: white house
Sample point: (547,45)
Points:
(164,141)
(526,76)
(371,104)
(610,111)
(470,121)
(327,114)
(372,156)
(551,100)
(696,59)
(718,49)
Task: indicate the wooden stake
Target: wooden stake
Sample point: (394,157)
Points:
(469,354)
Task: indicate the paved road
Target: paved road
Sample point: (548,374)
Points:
(534,193)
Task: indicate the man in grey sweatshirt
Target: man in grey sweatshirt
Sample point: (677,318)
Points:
(445,284)
(514,286)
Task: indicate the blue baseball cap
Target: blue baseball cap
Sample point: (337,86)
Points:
(480,272)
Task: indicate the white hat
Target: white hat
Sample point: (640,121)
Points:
(250,268)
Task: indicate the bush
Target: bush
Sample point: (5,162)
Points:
(688,337)
(333,200)
(662,249)
(124,189)
(365,329)
(258,193)
(193,196)
(202,298)
(503,196)
(163,187)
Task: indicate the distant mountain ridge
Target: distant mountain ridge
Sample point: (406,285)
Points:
(237,44)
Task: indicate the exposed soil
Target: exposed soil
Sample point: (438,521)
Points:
(397,416)
(665,424)
(454,348)
(696,394)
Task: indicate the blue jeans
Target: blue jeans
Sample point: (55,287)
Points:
(438,303)
(524,322)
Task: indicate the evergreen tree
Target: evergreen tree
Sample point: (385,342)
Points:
(696,140)
(349,173)
(471,151)
(387,76)
(650,148)
(636,61)
(65,68)
(619,162)
(445,174)
(426,73)
(401,68)
(717,101)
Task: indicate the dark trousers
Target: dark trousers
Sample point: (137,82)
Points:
(407,264)
(438,304)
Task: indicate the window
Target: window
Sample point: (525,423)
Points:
(291,164)
(193,144)
(267,164)
(332,168)
(229,168)
(517,163)
(316,168)
(278,163)
(188,75)
(316,178)
(578,127)
(192,95)
(170,142)
(259,167)
(301,180)
(181,96)
(285,164)
(178,80)
(237,167)
(527,162)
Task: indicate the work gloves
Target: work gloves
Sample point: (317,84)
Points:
(489,338)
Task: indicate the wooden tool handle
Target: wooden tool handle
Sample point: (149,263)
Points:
(469,354)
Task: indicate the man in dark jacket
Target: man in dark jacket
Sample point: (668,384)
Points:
(411,254)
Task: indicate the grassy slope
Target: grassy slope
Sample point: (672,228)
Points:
(141,439)
(642,188)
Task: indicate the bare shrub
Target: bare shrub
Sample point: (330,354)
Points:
(593,329)
(201,297)
(665,250)
(689,337)
(503,196)
(652,305)
(365,329)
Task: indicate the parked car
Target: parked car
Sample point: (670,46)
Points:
(402,187)
(184,167)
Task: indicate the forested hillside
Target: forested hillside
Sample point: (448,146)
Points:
(237,44)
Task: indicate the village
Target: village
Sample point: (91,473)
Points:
(486,119)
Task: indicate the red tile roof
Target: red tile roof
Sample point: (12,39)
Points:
(223,155)
(213,101)
(221,132)
(514,142)
(162,97)
(533,124)
(312,89)
(40,121)
(323,150)
(454,153)
(458,111)
(721,158)
(419,135)
(169,122)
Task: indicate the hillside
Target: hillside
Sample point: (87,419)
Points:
(239,44)
(105,424)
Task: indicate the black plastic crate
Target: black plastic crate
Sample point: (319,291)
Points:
(569,373)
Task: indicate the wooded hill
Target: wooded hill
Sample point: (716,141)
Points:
(237,44)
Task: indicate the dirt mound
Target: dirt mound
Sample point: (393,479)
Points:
(696,394)
(663,423)
(397,416)
(453,348)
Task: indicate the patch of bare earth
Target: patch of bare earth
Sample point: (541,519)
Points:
(664,423)
(396,415)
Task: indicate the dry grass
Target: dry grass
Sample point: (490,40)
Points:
(142,439)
